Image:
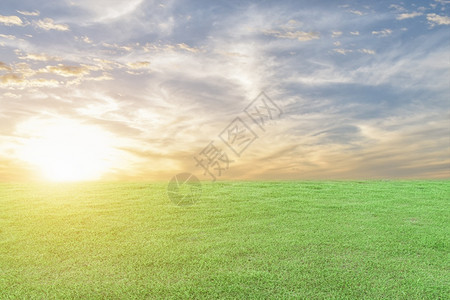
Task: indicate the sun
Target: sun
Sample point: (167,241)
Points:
(65,150)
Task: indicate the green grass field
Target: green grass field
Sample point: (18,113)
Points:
(241,240)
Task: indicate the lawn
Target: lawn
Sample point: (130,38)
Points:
(241,240)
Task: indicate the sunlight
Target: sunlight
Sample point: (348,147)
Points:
(65,150)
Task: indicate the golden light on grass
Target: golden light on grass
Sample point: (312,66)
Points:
(64,150)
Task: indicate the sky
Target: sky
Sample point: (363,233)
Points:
(144,90)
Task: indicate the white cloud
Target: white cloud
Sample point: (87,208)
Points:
(11,95)
(411,70)
(23,69)
(356,12)
(139,65)
(384,32)
(299,35)
(292,24)
(8,36)
(127,48)
(342,51)
(67,71)
(85,39)
(49,24)
(17,81)
(11,20)
(104,10)
(187,47)
(408,16)
(354,32)
(336,34)
(367,51)
(166,26)
(437,19)
(397,7)
(28,13)
(39,57)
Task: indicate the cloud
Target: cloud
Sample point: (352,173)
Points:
(435,19)
(104,64)
(148,47)
(11,20)
(139,65)
(299,35)
(411,70)
(10,79)
(17,81)
(118,47)
(28,13)
(291,24)
(8,36)
(337,101)
(42,82)
(384,32)
(39,57)
(336,34)
(409,16)
(187,48)
(103,77)
(67,71)
(11,95)
(21,75)
(342,51)
(85,39)
(4,66)
(367,51)
(49,24)
(356,12)
(105,10)
(24,70)
(397,7)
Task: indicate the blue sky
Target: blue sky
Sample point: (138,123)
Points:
(363,86)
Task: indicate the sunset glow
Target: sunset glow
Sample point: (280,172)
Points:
(135,90)
(64,150)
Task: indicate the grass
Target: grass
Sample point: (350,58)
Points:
(242,240)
